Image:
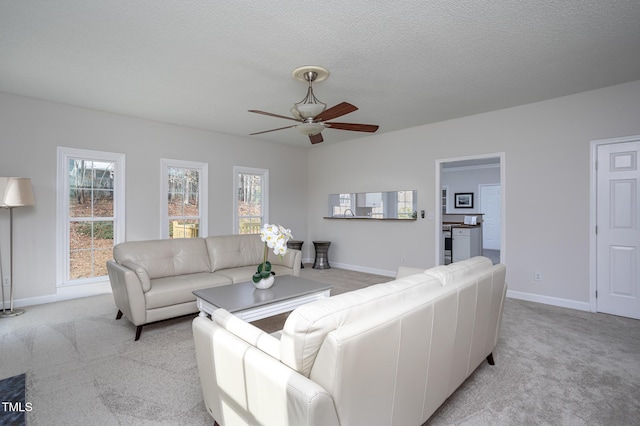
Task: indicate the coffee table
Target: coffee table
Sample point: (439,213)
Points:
(250,304)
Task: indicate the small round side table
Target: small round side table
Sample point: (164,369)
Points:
(322,255)
(296,245)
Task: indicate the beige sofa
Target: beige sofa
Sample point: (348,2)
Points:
(154,280)
(388,354)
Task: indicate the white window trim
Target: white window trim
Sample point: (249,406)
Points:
(203,188)
(62,207)
(265,193)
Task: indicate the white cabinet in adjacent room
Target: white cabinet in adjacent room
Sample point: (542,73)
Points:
(466,242)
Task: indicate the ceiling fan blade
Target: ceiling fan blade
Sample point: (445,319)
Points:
(355,127)
(272,114)
(316,138)
(336,111)
(272,130)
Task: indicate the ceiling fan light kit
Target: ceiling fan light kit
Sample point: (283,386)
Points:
(308,110)
(312,113)
(310,106)
(310,128)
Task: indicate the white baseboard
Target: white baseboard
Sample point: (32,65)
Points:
(358,268)
(548,300)
(65,293)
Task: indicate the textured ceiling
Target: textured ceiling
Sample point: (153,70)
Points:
(204,63)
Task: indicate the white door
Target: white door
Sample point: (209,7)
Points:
(490,206)
(618,237)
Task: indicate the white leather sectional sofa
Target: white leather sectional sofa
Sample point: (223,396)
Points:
(154,280)
(388,354)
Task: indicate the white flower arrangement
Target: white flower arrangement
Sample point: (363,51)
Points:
(275,237)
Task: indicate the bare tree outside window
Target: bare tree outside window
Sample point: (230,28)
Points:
(90,217)
(250,201)
(183,202)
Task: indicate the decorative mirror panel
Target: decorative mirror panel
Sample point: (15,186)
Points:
(392,205)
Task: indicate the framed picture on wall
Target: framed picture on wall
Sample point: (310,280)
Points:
(464,200)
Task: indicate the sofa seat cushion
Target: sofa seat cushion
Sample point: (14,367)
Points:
(175,290)
(165,258)
(244,274)
(458,270)
(307,326)
(241,274)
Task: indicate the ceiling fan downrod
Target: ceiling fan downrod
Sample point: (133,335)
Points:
(309,106)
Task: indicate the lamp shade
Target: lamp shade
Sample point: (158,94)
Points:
(16,192)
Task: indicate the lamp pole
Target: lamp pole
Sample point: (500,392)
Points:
(11,312)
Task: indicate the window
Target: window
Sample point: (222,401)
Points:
(251,199)
(344,205)
(184,199)
(90,213)
(405,205)
(444,199)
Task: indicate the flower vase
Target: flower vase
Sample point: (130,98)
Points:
(265,283)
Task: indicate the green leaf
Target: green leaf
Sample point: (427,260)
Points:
(267,267)
(256,277)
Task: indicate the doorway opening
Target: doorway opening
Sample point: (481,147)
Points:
(482,176)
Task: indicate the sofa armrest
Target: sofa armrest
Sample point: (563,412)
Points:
(291,259)
(236,377)
(127,292)
(297,261)
(247,332)
(142,274)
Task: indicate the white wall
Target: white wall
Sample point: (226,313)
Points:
(31,130)
(546,146)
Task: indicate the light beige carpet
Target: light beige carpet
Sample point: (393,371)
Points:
(554,366)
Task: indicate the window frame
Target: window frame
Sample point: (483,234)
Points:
(237,170)
(62,211)
(203,191)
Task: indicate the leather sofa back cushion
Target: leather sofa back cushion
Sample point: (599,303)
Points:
(165,258)
(306,327)
(458,270)
(232,251)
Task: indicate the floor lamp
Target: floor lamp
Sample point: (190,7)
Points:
(14,192)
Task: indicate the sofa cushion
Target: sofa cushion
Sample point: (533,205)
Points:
(232,251)
(448,274)
(169,291)
(245,273)
(306,327)
(165,258)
